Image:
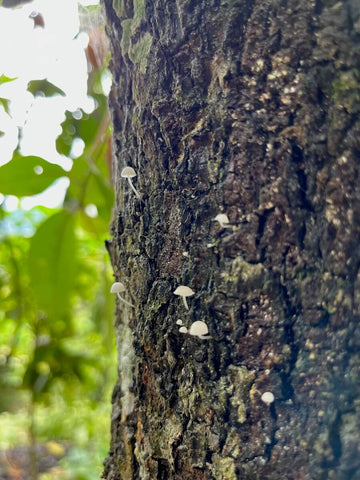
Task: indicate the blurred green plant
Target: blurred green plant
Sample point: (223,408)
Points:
(57,352)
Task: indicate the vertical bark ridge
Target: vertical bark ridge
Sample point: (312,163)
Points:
(249,109)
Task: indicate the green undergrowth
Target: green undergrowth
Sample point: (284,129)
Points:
(57,346)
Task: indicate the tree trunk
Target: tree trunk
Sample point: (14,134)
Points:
(249,108)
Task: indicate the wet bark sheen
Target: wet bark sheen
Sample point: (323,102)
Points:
(248,108)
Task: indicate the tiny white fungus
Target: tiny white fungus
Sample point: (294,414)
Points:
(223,220)
(183,330)
(179,322)
(199,329)
(118,287)
(183,291)
(129,173)
(267,397)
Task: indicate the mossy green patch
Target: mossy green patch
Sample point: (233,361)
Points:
(247,274)
(126,34)
(139,52)
(139,8)
(223,468)
(118,6)
(213,168)
(346,89)
(241,379)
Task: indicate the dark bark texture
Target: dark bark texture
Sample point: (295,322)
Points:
(248,108)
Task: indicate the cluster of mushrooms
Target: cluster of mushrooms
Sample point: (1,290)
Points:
(198,328)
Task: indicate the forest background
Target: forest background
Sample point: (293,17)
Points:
(57,351)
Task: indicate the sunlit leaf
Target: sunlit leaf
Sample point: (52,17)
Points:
(87,184)
(5,103)
(79,175)
(99,193)
(52,263)
(85,127)
(5,79)
(52,361)
(44,88)
(96,226)
(24,176)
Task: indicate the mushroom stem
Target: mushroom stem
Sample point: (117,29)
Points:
(185,303)
(125,301)
(134,189)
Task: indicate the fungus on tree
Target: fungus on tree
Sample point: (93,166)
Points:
(267,397)
(223,220)
(118,288)
(129,173)
(183,291)
(197,329)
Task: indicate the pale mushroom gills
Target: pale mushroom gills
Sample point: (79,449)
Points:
(183,291)
(129,173)
(118,287)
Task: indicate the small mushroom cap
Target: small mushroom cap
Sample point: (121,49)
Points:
(222,218)
(184,291)
(198,328)
(267,397)
(117,287)
(183,330)
(128,172)
(179,322)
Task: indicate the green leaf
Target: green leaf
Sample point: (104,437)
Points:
(44,88)
(5,79)
(51,361)
(86,127)
(89,187)
(24,176)
(79,176)
(52,264)
(5,103)
(100,194)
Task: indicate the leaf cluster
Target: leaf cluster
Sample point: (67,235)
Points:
(55,310)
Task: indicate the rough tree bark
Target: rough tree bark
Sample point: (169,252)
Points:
(248,108)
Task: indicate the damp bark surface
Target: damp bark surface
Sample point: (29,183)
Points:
(248,108)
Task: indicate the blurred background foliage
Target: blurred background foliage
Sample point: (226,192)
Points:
(57,352)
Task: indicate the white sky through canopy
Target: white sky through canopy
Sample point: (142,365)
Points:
(55,52)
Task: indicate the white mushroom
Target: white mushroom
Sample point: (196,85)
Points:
(223,220)
(179,322)
(267,397)
(184,292)
(183,330)
(129,173)
(199,329)
(118,288)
